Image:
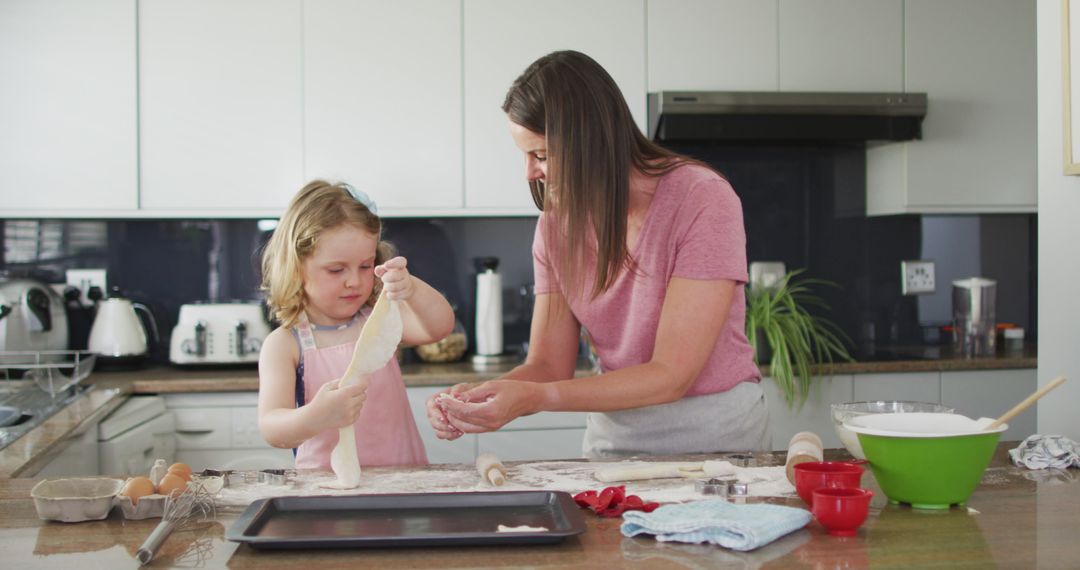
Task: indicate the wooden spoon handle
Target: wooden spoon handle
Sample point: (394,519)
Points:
(1026,403)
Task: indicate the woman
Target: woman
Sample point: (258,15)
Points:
(643,248)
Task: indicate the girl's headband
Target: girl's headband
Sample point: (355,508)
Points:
(361,197)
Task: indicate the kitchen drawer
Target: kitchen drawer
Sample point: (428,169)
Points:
(814,415)
(205,428)
(460,450)
(913,386)
(245,429)
(243,459)
(533,444)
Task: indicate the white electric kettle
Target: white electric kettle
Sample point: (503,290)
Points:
(117,334)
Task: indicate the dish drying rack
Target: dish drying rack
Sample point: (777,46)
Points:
(53,371)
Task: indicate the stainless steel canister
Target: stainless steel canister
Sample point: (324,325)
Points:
(974,304)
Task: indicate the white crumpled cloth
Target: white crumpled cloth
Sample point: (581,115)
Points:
(1046,451)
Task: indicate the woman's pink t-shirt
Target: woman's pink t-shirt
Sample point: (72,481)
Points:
(693,230)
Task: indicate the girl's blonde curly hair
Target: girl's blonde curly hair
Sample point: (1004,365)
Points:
(318,207)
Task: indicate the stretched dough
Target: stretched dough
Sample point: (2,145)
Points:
(718,468)
(665,471)
(374,347)
(491,469)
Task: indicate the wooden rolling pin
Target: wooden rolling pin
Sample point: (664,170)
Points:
(491,469)
(804,446)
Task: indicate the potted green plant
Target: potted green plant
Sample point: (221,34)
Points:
(792,340)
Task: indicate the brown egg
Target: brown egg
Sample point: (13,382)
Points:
(181,469)
(136,488)
(171,483)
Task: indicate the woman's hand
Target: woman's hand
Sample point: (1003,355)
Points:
(339,407)
(396,280)
(437,415)
(493,404)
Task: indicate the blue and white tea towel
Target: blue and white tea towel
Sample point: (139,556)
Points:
(1046,451)
(739,527)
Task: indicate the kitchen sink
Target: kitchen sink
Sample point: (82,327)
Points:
(34,405)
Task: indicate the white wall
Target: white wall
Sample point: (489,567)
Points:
(1059,234)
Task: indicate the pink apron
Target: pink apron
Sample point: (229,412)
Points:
(386,432)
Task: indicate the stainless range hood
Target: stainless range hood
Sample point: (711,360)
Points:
(752,116)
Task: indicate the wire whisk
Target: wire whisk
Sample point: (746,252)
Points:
(192,505)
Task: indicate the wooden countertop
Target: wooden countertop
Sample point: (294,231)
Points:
(1016,518)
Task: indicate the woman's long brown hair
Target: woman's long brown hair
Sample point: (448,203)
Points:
(593,145)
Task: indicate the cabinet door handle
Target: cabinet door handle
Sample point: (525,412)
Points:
(194,431)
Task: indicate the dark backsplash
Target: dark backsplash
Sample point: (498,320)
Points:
(802,205)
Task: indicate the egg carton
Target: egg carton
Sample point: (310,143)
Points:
(147,506)
(153,506)
(75,500)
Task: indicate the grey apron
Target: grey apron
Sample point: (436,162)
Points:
(736,420)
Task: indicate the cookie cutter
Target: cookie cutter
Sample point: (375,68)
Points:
(722,487)
(740,459)
(274,476)
(224,474)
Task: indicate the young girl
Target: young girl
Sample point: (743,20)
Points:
(323,269)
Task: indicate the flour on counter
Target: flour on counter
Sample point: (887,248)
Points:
(570,476)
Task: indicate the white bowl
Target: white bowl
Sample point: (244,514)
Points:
(75,500)
(921,425)
(842,412)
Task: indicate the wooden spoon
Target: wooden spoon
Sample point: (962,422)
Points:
(1026,403)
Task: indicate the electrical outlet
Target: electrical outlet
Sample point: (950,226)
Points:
(766,273)
(84,279)
(918,277)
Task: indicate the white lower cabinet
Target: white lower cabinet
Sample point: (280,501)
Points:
(911,386)
(539,444)
(974,393)
(547,435)
(990,393)
(814,415)
(460,450)
(221,431)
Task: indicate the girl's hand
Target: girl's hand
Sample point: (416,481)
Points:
(396,280)
(437,415)
(339,407)
(492,405)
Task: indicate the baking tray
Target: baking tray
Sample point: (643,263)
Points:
(407,519)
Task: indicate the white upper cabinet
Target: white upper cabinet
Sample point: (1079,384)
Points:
(382,101)
(67,107)
(502,37)
(712,45)
(841,45)
(220,108)
(975,60)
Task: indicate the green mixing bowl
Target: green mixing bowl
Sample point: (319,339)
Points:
(929,460)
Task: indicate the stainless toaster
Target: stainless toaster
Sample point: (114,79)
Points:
(32,316)
(218,333)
